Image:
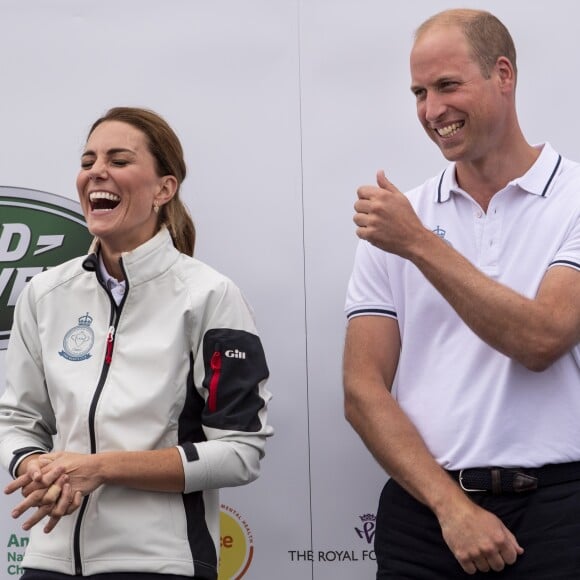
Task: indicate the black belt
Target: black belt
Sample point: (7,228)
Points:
(500,480)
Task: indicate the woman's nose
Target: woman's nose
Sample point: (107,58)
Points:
(98,170)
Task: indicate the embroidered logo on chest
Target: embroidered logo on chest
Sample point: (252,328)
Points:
(79,340)
(439,231)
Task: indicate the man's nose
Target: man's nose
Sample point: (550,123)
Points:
(434,107)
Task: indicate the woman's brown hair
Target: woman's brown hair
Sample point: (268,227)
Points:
(166,148)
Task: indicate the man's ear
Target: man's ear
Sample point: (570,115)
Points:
(505,72)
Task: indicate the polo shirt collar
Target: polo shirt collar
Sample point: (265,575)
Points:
(540,175)
(537,180)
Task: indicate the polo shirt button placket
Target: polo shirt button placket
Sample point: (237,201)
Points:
(492,240)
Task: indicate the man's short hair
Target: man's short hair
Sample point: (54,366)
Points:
(487,36)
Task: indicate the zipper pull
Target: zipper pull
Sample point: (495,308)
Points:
(216,361)
(215,364)
(110,341)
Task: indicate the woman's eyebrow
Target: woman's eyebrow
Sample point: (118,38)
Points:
(112,151)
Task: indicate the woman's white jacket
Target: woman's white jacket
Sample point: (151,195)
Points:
(177,363)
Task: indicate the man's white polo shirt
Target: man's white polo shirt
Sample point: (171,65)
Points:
(474,406)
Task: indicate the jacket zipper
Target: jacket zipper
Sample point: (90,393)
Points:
(116,312)
(216,367)
(110,344)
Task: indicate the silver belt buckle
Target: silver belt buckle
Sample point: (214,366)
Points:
(463,486)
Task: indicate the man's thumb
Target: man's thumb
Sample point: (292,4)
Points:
(382,181)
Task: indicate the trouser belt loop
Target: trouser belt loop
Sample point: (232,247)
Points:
(524,482)
(496,481)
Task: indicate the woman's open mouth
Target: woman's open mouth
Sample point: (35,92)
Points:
(103,201)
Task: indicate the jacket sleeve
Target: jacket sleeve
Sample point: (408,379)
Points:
(27,421)
(229,377)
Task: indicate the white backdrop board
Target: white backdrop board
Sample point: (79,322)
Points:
(284,107)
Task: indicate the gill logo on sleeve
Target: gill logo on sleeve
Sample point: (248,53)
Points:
(235,353)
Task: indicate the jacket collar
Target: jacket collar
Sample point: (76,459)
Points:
(145,262)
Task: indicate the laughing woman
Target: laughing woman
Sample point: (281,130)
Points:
(134,380)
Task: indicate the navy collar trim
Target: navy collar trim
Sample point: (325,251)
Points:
(552,176)
(532,181)
(439,191)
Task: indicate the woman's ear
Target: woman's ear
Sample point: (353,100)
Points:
(167,190)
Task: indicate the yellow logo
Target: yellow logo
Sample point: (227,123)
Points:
(236,545)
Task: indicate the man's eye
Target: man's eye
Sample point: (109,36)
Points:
(86,164)
(119,162)
(448,86)
(419,94)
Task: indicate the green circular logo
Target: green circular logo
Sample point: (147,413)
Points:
(38,230)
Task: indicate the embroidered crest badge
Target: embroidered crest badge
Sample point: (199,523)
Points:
(441,233)
(79,340)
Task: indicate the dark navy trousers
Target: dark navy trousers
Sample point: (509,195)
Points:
(546,522)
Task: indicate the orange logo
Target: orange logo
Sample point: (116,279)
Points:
(236,545)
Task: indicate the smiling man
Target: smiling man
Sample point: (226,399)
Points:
(462,355)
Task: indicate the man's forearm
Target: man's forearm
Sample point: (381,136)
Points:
(532,331)
(400,450)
